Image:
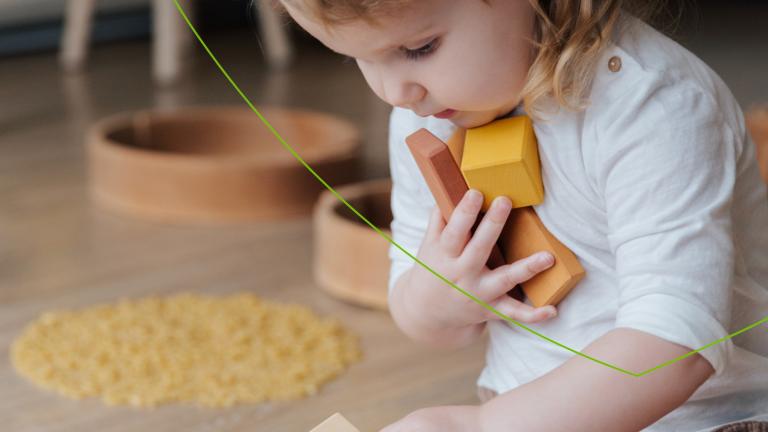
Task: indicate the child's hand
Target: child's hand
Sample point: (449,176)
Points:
(451,250)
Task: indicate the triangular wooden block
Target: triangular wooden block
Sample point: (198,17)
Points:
(335,423)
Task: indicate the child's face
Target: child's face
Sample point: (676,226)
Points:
(462,55)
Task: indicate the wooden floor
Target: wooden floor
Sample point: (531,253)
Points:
(58,251)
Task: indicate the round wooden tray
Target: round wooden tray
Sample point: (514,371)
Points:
(218,164)
(351,260)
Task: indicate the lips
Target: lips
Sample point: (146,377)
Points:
(445,114)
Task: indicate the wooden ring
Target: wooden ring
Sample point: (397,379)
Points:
(351,260)
(218,165)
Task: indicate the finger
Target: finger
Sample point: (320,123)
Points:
(522,312)
(481,244)
(436,225)
(504,278)
(457,231)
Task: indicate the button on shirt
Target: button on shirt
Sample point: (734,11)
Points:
(655,187)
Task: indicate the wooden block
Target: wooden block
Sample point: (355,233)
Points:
(502,158)
(525,234)
(443,177)
(757,124)
(456,145)
(335,423)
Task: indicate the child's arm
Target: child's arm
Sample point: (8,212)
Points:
(582,395)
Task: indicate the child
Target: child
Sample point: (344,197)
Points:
(650,179)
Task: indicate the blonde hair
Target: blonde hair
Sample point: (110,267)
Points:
(569,37)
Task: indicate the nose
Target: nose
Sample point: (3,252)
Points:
(402,93)
(393,85)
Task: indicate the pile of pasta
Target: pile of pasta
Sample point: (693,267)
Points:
(212,351)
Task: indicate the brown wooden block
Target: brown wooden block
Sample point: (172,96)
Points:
(335,423)
(525,234)
(443,177)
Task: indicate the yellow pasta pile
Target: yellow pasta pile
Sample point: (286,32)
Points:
(215,351)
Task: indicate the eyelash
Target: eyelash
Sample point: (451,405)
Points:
(421,52)
(409,54)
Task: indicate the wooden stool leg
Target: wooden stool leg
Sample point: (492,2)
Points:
(77,31)
(277,45)
(170,39)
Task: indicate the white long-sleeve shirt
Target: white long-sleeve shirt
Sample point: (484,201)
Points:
(655,187)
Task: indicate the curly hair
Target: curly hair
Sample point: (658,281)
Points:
(569,37)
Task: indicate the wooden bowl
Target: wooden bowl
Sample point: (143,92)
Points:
(757,123)
(218,165)
(351,260)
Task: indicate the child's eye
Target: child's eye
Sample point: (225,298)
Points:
(348,59)
(421,52)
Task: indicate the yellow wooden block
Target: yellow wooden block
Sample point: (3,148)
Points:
(502,158)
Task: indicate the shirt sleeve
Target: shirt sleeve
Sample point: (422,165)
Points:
(667,168)
(410,205)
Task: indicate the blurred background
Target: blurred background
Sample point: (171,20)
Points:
(58,250)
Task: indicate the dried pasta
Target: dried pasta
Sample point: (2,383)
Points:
(213,351)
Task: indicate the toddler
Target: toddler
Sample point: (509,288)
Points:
(650,178)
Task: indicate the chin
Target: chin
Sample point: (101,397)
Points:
(470,122)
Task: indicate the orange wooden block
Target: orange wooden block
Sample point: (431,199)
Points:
(335,423)
(757,123)
(456,145)
(525,234)
(443,177)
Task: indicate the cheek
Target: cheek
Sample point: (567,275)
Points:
(507,72)
(470,88)
(517,60)
(372,78)
(484,78)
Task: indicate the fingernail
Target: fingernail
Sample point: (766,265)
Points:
(545,258)
(475,196)
(552,313)
(503,203)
